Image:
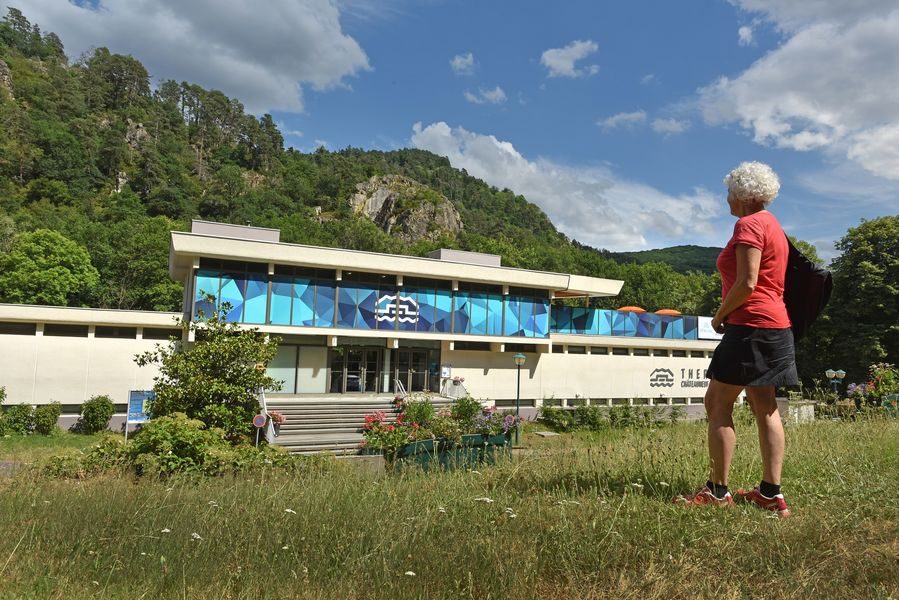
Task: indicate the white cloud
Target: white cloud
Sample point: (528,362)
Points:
(744,35)
(623,119)
(494,96)
(561,61)
(260,55)
(463,64)
(591,204)
(832,85)
(670,126)
(648,78)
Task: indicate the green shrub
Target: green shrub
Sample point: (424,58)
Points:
(591,417)
(465,409)
(45,418)
(676,414)
(622,416)
(2,413)
(95,415)
(419,411)
(559,419)
(20,419)
(174,444)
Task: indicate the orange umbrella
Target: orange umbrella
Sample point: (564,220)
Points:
(668,311)
(631,309)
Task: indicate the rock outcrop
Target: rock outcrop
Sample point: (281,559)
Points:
(405,208)
(6,79)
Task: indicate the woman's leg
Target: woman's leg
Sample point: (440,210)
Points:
(771,431)
(719,410)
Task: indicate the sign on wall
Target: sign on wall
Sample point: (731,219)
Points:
(704,330)
(397,308)
(137,405)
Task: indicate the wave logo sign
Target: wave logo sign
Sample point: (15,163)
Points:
(397,308)
(661,378)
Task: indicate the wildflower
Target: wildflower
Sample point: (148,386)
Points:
(166,530)
(663,483)
(639,486)
(195,536)
(441,510)
(290,510)
(485,500)
(284,547)
(410,573)
(143,553)
(473,472)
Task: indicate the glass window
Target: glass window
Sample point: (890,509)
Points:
(282,297)
(461,312)
(577,350)
(661,352)
(444,311)
(65,330)
(256,299)
(511,326)
(478,313)
(407,308)
(679,353)
(494,314)
(104,331)
(641,352)
(598,350)
(151,333)
(346,305)
(325,299)
(619,351)
(10,328)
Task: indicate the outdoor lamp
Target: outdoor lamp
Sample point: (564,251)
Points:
(830,373)
(519,360)
(840,374)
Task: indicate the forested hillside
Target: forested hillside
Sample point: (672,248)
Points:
(90,151)
(682,259)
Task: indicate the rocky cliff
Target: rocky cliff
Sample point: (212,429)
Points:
(405,208)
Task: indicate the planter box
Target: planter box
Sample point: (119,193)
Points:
(473,450)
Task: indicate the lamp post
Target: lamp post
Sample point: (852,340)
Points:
(519,362)
(835,378)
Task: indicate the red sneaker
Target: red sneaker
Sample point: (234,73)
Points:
(705,497)
(777,504)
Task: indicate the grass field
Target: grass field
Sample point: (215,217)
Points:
(579,516)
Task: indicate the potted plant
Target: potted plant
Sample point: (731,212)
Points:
(277,419)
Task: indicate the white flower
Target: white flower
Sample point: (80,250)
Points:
(440,509)
(410,573)
(513,516)
(143,553)
(663,483)
(290,510)
(639,486)
(474,472)
(195,536)
(166,530)
(485,500)
(284,547)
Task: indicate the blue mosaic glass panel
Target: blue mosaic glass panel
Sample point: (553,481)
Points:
(256,301)
(233,290)
(303,303)
(526,317)
(579,320)
(494,314)
(346,306)
(444,311)
(207,283)
(604,321)
(691,328)
(478,314)
(461,313)
(541,318)
(561,319)
(367,303)
(624,324)
(672,327)
(386,310)
(282,296)
(325,296)
(511,326)
(427,310)
(407,309)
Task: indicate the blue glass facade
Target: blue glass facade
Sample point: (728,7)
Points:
(309,298)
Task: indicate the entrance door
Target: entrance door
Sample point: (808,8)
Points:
(412,369)
(355,370)
(355,365)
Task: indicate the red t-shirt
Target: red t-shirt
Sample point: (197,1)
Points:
(765,307)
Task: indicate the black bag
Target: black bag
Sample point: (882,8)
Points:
(807,289)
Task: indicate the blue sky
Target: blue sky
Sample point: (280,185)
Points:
(619,119)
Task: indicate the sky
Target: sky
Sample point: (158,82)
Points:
(618,119)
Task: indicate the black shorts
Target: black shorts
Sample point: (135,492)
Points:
(755,356)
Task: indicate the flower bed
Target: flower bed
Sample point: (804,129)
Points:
(464,435)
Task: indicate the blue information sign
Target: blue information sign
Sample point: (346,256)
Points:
(137,405)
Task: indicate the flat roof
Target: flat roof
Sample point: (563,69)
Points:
(32,313)
(186,247)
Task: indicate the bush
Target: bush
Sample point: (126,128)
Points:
(465,409)
(95,415)
(591,417)
(174,444)
(20,419)
(419,411)
(45,418)
(558,418)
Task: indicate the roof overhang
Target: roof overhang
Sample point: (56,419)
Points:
(29,313)
(187,248)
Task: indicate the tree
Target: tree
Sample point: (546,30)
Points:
(45,267)
(863,317)
(215,379)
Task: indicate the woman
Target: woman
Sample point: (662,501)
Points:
(756,352)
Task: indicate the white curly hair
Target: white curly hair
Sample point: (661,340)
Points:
(753,182)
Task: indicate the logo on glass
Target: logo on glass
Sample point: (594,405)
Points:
(661,378)
(404,309)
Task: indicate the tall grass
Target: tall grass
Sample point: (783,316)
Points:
(579,516)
